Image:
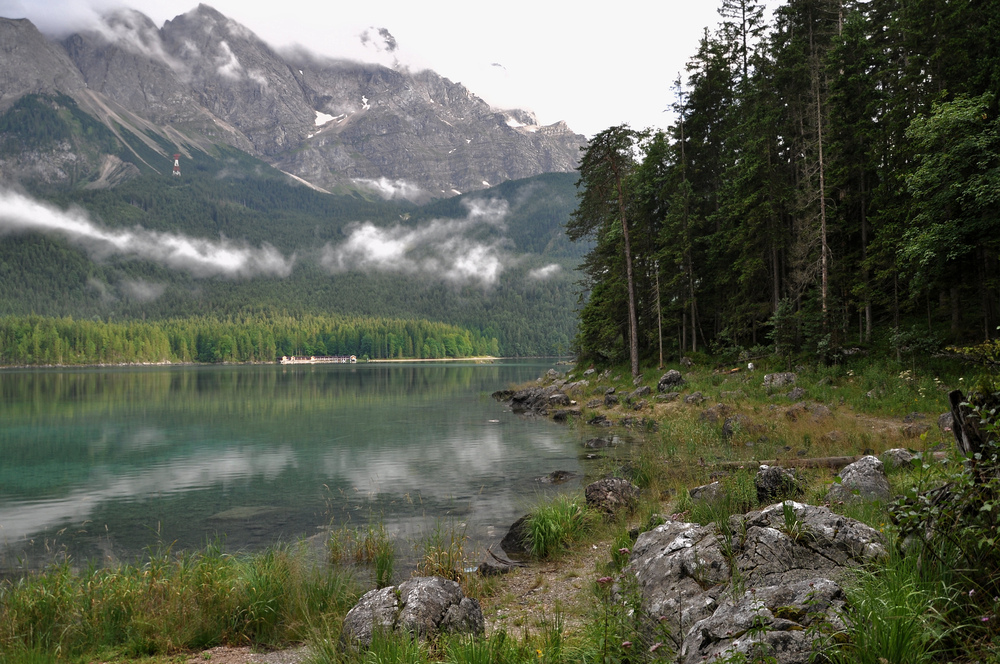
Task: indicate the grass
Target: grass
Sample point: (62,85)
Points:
(169,603)
(554,525)
(897,613)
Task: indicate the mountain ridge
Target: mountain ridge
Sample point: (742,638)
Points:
(203,79)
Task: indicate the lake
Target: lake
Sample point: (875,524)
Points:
(101,463)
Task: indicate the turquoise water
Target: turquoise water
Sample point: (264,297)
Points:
(101,463)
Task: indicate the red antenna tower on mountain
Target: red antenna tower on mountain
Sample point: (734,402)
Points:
(177,165)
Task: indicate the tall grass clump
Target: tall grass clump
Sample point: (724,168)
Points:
(738,495)
(896,613)
(554,525)
(168,603)
(442,553)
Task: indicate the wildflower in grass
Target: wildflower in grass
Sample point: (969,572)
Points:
(624,551)
(604,580)
(626,644)
(656,646)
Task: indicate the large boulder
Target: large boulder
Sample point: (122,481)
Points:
(789,557)
(516,543)
(862,480)
(531,401)
(897,457)
(670,380)
(776,380)
(422,606)
(771,622)
(611,495)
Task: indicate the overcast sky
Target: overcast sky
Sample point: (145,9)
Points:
(591,64)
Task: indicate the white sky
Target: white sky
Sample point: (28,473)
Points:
(591,64)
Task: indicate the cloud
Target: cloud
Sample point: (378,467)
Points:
(391,189)
(199,257)
(226,63)
(442,248)
(133,32)
(142,290)
(384,42)
(543,273)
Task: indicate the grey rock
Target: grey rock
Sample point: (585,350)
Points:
(669,396)
(796,394)
(775,380)
(670,380)
(599,421)
(820,413)
(715,413)
(823,543)
(601,443)
(595,403)
(897,457)
(421,606)
(773,621)
(564,414)
(694,398)
(559,399)
(913,417)
(610,390)
(776,483)
(706,492)
(612,495)
(864,479)
(915,429)
(588,372)
(683,574)
(639,392)
(557,477)
(736,423)
(517,543)
(687,362)
(637,381)
(946,421)
(610,400)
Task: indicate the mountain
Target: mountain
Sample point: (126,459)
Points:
(203,80)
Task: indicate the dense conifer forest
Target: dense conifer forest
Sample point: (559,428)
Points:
(830,182)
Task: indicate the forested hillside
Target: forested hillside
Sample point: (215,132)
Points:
(832,180)
(35,340)
(158,247)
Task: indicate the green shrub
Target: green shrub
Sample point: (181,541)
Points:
(552,526)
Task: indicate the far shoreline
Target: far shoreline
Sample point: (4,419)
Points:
(481,359)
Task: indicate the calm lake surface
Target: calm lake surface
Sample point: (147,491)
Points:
(102,463)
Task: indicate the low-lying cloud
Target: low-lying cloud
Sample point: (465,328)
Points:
(392,189)
(543,273)
(197,256)
(442,248)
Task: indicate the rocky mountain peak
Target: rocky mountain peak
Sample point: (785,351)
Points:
(31,64)
(334,123)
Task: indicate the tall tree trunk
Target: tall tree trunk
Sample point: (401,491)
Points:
(632,319)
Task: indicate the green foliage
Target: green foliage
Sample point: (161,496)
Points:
(896,613)
(168,603)
(442,553)
(555,524)
(37,340)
